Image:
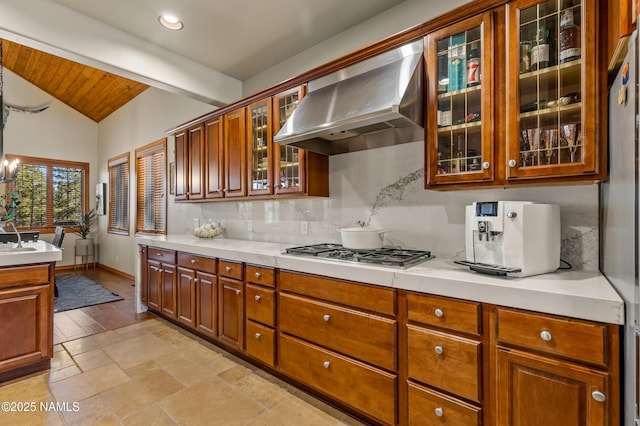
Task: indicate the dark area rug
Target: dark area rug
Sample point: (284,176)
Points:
(77,291)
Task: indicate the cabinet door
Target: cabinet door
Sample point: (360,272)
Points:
(553,115)
(259,145)
(235,159)
(459,130)
(27,314)
(196,166)
(231,312)
(213,151)
(168,297)
(289,161)
(144,283)
(207,304)
(186,286)
(535,391)
(182,163)
(154,282)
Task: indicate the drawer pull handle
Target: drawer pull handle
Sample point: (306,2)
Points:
(193,261)
(257,274)
(326,317)
(439,412)
(258,335)
(327,364)
(257,297)
(439,350)
(598,396)
(545,335)
(438,312)
(237,291)
(228,268)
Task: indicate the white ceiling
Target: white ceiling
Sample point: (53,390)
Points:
(239,37)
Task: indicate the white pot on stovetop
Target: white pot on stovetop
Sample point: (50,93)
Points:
(362,238)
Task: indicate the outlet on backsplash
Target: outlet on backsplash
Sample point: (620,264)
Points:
(304,227)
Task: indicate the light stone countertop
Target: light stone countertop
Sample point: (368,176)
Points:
(578,294)
(33,252)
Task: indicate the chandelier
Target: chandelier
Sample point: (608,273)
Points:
(8,170)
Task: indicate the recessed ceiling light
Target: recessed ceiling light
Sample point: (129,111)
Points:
(171,22)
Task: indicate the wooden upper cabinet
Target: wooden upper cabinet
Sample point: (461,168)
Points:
(214,157)
(554,124)
(621,22)
(459,132)
(182,161)
(289,161)
(235,158)
(196,166)
(259,146)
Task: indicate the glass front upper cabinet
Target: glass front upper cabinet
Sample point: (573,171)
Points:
(551,85)
(260,142)
(459,112)
(289,161)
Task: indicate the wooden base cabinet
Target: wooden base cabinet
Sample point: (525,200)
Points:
(26,312)
(161,281)
(428,407)
(260,304)
(536,391)
(231,304)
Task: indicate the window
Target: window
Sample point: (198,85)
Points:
(119,195)
(51,192)
(151,200)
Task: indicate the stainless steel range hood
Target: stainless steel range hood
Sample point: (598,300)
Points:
(377,102)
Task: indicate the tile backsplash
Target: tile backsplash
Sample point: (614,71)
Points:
(385,188)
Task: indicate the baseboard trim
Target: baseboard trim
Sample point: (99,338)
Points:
(99,265)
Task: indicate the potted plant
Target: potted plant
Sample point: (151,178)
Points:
(84,246)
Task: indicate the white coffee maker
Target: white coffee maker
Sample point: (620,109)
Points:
(515,238)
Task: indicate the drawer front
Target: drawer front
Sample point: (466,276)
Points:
(260,342)
(443,312)
(445,361)
(427,407)
(354,333)
(260,275)
(24,275)
(161,255)
(575,339)
(371,298)
(199,263)
(230,269)
(358,385)
(260,304)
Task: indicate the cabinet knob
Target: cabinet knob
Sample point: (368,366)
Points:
(224,190)
(160,270)
(486,165)
(257,274)
(438,312)
(257,297)
(598,396)
(158,254)
(326,317)
(439,412)
(193,261)
(237,291)
(258,335)
(326,364)
(195,280)
(545,335)
(439,350)
(512,163)
(228,268)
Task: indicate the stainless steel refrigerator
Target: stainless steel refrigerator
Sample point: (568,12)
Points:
(620,219)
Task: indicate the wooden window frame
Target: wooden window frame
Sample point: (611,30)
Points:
(143,152)
(49,164)
(113,162)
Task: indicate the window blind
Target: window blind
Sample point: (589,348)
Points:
(119,194)
(151,200)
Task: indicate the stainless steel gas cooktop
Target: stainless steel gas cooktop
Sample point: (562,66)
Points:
(382,256)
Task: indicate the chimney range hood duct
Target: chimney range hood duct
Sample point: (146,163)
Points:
(374,103)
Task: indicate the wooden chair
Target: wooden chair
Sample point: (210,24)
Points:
(57,242)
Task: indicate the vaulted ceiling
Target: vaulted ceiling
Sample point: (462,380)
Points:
(92,92)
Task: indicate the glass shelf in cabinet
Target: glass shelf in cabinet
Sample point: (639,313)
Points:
(459,127)
(460,92)
(573,65)
(288,164)
(552,110)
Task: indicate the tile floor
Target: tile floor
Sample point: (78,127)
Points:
(152,372)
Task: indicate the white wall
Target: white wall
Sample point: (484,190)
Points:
(141,121)
(59,132)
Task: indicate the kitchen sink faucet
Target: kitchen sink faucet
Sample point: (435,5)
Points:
(17,233)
